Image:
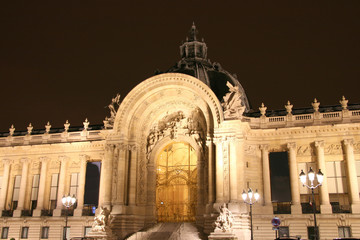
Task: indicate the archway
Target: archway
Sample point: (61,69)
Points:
(176,183)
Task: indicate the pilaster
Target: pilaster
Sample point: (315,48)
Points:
(294,179)
(23,184)
(266,178)
(42,183)
(61,187)
(5,183)
(81,190)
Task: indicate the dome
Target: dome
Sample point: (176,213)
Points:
(194,62)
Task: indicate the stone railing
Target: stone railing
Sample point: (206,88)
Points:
(316,118)
(45,138)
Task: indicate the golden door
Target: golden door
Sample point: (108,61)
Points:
(176,183)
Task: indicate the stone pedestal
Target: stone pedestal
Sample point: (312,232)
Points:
(220,235)
(57,212)
(296,209)
(355,208)
(99,235)
(17,213)
(326,209)
(36,213)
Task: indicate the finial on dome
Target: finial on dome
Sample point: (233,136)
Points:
(193,32)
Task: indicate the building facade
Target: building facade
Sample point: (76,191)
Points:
(177,147)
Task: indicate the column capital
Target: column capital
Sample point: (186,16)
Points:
(132,147)
(291,145)
(7,161)
(44,159)
(319,144)
(63,158)
(25,160)
(264,147)
(348,142)
(84,157)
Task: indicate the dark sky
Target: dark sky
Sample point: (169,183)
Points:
(64,60)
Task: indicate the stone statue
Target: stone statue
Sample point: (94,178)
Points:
(101,221)
(113,106)
(224,221)
(232,104)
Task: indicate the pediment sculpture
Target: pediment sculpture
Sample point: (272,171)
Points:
(113,107)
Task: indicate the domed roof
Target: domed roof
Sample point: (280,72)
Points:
(194,62)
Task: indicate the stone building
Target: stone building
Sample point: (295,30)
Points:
(177,147)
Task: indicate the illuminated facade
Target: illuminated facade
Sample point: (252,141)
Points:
(177,147)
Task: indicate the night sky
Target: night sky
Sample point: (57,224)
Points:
(64,60)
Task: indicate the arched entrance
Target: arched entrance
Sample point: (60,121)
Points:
(176,183)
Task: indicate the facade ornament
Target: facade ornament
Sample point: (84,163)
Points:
(47,128)
(320,144)
(315,105)
(174,124)
(232,104)
(29,129)
(66,126)
(113,107)
(86,124)
(344,103)
(11,130)
(224,221)
(262,110)
(288,108)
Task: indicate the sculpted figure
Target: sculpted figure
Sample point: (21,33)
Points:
(232,104)
(101,221)
(224,221)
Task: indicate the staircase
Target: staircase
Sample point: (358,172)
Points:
(170,231)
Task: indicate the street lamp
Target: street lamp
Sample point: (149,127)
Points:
(311,176)
(67,201)
(253,197)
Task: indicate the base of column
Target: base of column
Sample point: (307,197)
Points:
(235,208)
(223,236)
(37,213)
(17,213)
(265,210)
(326,209)
(296,209)
(355,208)
(78,212)
(57,212)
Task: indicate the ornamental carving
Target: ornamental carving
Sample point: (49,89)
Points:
(357,147)
(174,124)
(332,149)
(305,150)
(232,104)
(250,150)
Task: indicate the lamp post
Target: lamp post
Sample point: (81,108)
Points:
(311,176)
(253,197)
(67,201)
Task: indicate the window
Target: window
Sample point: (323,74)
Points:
(283,231)
(74,184)
(279,177)
(45,232)
(336,177)
(92,184)
(4,232)
(16,192)
(87,230)
(344,232)
(311,233)
(24,232)
(34,191)
(53,190)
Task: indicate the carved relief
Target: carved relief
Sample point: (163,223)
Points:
(54,164)
(176,123)
(225,220)
(250,150)
(305,150)
(332,149)
(357,147)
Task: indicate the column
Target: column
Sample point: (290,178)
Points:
(219,171)
(211,192)
(325,206)
(61,186)
(4,184)
(106,177)
(24,176)
(233,171)
(352,175)
(132,173)
(81,188)
(294,179)
(41,194)
(266,174)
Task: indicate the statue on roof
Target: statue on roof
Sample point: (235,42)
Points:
(232,104)
(113,106)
